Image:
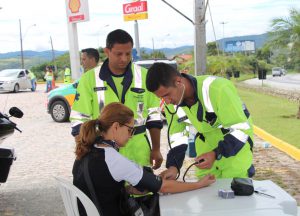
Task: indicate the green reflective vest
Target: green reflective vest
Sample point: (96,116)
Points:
(93,94)
(67,76)
(218,96)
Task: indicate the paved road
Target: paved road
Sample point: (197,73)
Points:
(44,149)
(287,82)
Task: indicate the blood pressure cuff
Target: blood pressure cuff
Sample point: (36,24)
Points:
(149,181)
(242,186)
(176,156)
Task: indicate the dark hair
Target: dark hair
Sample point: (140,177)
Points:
(90,130)
(91,53)
(118,36)
(160,74)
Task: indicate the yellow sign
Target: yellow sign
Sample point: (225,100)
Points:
(138,16)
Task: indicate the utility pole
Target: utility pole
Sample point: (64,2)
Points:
(200,35)
(136,37)
(223,40)
(200,38)
(53,56)
(21,41)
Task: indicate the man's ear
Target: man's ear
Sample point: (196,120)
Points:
(177,80)
(106,51)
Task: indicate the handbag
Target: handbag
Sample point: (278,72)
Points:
(89,183)
(147,205)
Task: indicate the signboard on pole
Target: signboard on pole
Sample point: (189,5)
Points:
(135,11)
(77,11)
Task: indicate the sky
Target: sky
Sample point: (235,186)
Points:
(164,27)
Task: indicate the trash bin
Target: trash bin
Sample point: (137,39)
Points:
(228,74)
(262,74)
(7,155)
(236,74)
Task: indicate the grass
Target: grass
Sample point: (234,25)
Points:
(275,115)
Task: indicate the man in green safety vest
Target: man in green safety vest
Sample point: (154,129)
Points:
(120,80)
(225,132)
(32,80)
(67,75)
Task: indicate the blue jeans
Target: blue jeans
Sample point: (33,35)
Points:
(49,85)
(33,87)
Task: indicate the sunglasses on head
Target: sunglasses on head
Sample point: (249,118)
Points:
(131,130)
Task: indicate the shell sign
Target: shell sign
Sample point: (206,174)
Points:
(77,10)
(135,11)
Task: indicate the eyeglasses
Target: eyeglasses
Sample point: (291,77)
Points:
(131,130)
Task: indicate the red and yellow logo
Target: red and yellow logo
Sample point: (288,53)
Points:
(74,6)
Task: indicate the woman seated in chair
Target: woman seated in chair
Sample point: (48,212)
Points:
(98,143)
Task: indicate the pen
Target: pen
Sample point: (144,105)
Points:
(261,193)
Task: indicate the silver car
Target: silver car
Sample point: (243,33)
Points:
(14,80)
(278,71)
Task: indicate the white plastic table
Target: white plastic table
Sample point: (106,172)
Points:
(205,201)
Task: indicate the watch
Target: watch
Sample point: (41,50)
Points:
(218,153)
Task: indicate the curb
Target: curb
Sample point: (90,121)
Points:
(292,151)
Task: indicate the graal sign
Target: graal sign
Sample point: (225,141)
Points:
(135,11)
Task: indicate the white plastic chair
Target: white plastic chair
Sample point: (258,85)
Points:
(70,193)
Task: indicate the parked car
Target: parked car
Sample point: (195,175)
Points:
(148,62)
(15,80)
(60,100)
(278,71)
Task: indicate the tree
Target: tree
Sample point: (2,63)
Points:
(212,49)
(286,34)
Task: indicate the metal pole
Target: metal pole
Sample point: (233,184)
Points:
(137,41)
(21,41)
(74,50)
(223,40)
(200,38)
(53,56)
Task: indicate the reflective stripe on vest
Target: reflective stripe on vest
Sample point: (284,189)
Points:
(178,139)
(137,76)
(205,92)
(137,84)
(99,83)
(235,130)
(182,117)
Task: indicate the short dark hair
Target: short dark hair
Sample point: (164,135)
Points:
(118,36)
(160,74)
(91,53)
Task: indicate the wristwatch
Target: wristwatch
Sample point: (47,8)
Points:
(218,153)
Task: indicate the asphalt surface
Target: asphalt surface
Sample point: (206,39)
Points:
(44,149)
(287,82)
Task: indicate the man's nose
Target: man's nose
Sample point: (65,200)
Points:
(124,58)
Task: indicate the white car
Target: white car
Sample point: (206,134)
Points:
(149,62)
(14,80)
(278,71)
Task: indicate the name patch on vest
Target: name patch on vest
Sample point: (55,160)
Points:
(100,88)
(137,90)
(182,119)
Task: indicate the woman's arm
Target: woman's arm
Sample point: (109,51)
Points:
(172,186)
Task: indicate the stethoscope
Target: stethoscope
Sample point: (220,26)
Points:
(168,134)
(169,126)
